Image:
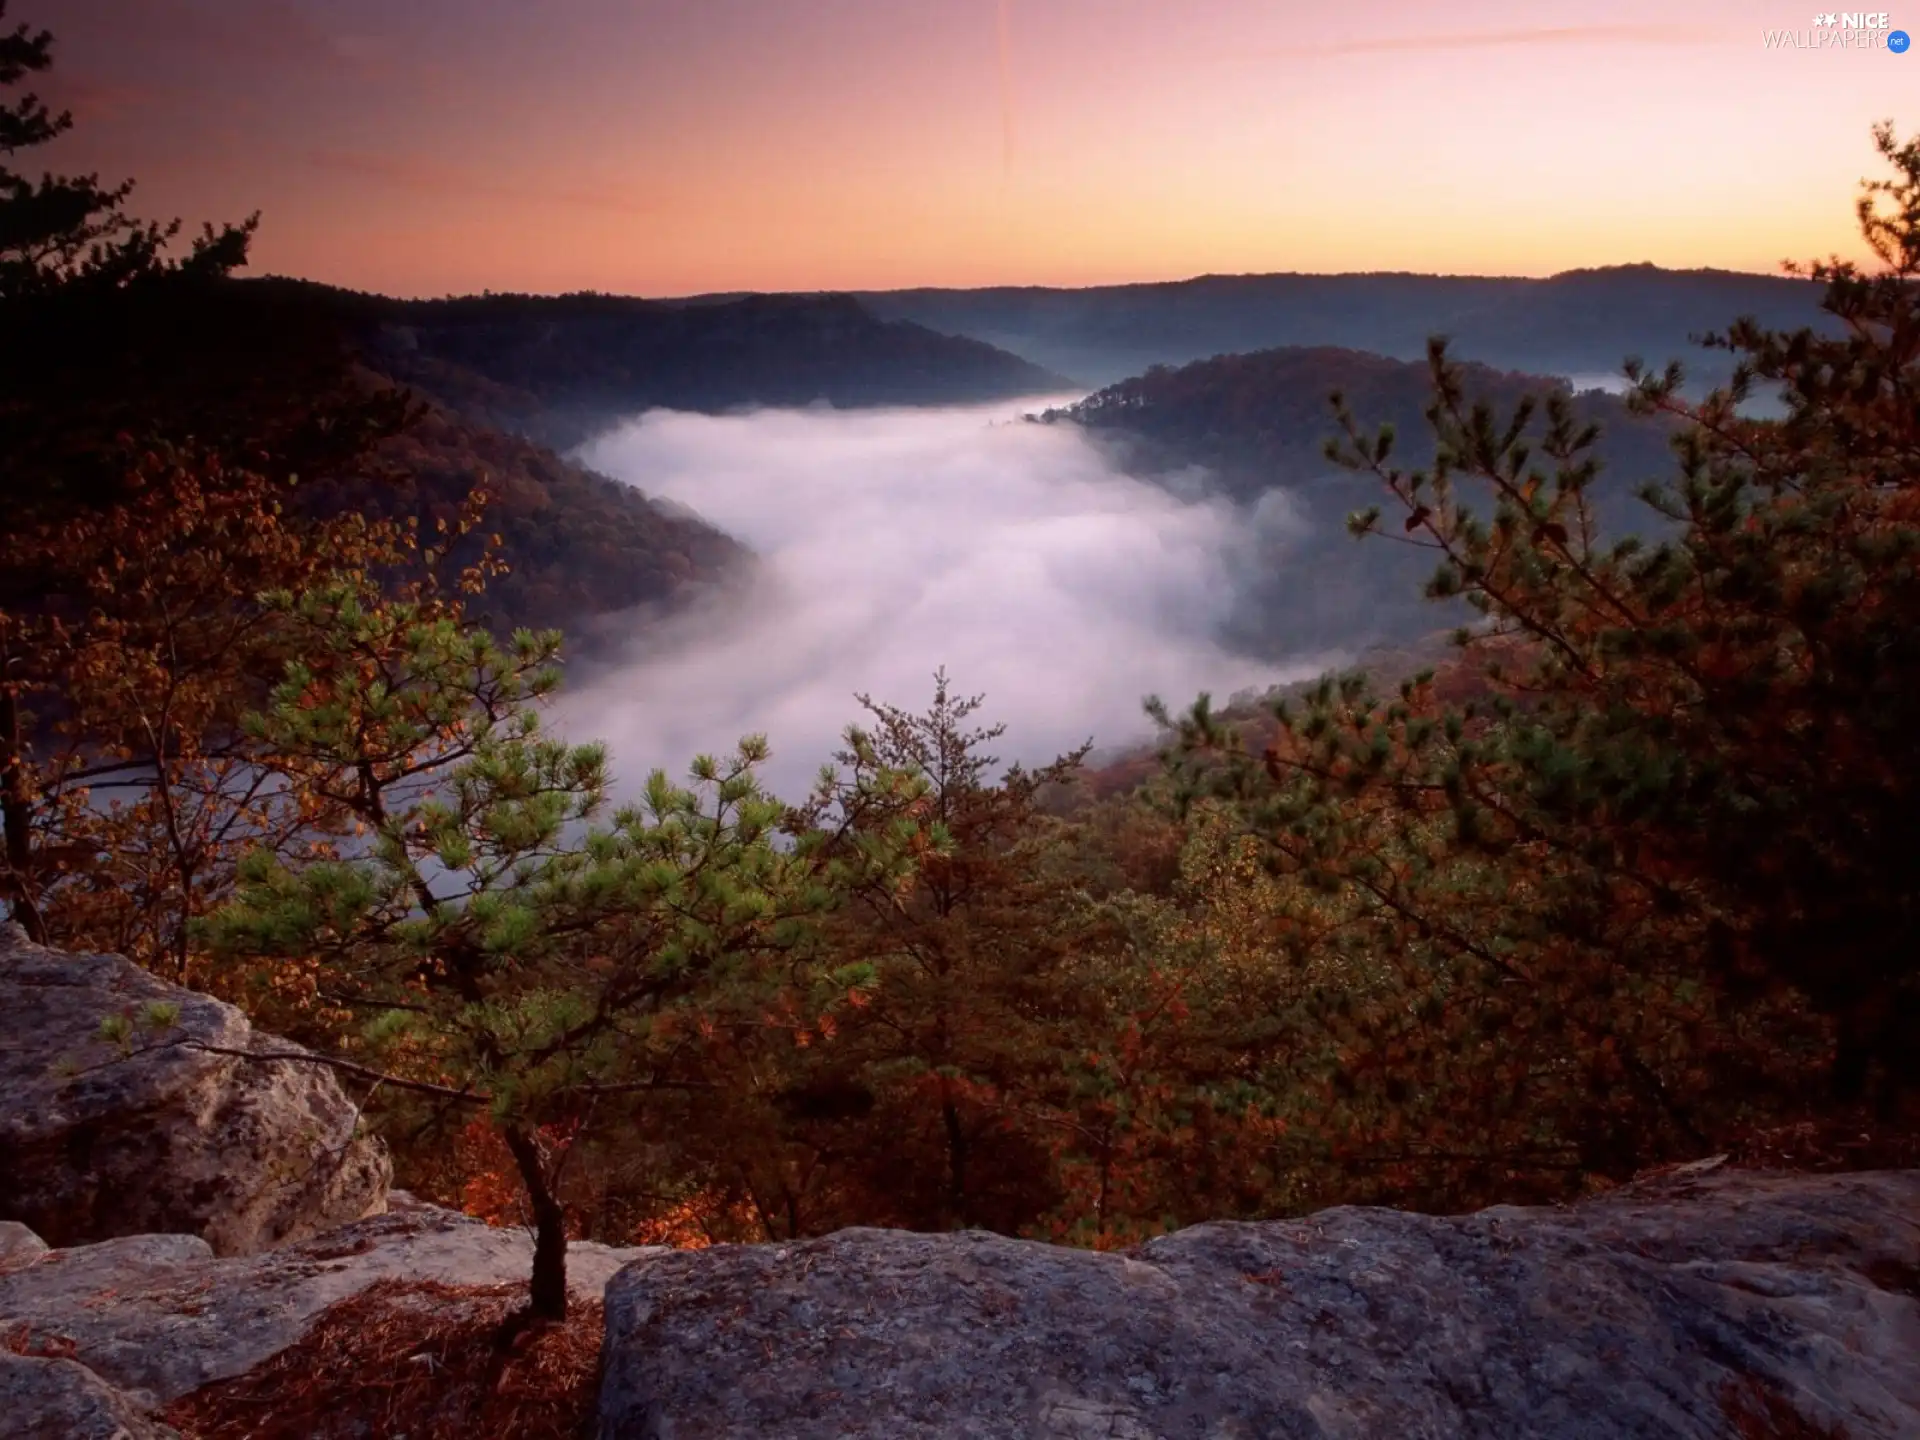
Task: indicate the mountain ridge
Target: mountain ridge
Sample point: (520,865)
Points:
(1576,321)
(560,368)
(1251,429)
(505,388)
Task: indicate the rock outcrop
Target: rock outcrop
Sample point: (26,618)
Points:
(18,1246)
(53,1399)
(1661,1310)
(95,1143)
(214,1187)
(154,1317)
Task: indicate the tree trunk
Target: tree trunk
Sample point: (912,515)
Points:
(547,1296)
(956,1156)
(18,818)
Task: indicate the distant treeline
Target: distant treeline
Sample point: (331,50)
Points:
(1255,426)
(1578,322)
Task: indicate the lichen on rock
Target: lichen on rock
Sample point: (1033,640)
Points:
(166,1137)
(1642,1313)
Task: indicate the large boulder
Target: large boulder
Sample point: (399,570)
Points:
(56,1399)
(1671,1309)
(96,1142)
(158,1316)
(19,1246)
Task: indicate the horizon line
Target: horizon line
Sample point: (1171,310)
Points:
(1192,279)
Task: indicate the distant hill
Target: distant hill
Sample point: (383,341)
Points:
(513,379)
(1579,322)
(260,368)
(1252,428)
(582,549)
(560,368)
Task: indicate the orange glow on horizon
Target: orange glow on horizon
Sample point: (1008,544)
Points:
(658,147)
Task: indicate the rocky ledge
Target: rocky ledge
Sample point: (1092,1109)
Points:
(208,1208)
(1712,1305)
(189,1135)
(1679,1308)
(156,1317)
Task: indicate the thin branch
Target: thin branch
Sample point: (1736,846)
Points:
(344,1067)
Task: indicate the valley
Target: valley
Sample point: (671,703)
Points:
(661,499)
(764,722)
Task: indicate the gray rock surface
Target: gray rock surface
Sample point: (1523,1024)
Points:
(94,1144)
(19,1246)
(1629,1315)
(42,1399)
(160,1315)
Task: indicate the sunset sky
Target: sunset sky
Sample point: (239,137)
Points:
(679,146)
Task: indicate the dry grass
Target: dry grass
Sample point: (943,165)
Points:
(413,1359)
(1846,1140)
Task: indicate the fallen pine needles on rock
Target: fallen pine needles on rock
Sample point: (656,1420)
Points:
(412,1358)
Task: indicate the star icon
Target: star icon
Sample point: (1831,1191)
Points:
(1819,20)
(1831,19)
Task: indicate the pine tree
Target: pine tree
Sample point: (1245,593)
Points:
(918,1079)
(66,231)
(506,951)
(147,460)
(133,788)
(1657,868)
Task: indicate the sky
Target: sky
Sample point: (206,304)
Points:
(663,147)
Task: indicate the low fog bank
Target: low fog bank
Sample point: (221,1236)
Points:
(893,542)
(1612,382)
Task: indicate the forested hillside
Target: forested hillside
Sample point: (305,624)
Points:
(1627,880)
(1255,427)
(579,549)
(560,368)
(1582,321)
(1259,421)
(305,374)
(291,378)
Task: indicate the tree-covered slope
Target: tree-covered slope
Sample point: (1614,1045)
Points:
(503,384)
(559,368)
(1253,429)
(580,548)
(292,378)
(1581,321)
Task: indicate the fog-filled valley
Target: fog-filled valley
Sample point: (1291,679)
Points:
(889,542)
(742,512)
(780,833)
(1068,556)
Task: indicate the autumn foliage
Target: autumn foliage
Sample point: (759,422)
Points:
(1627,878)
(1655,883)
